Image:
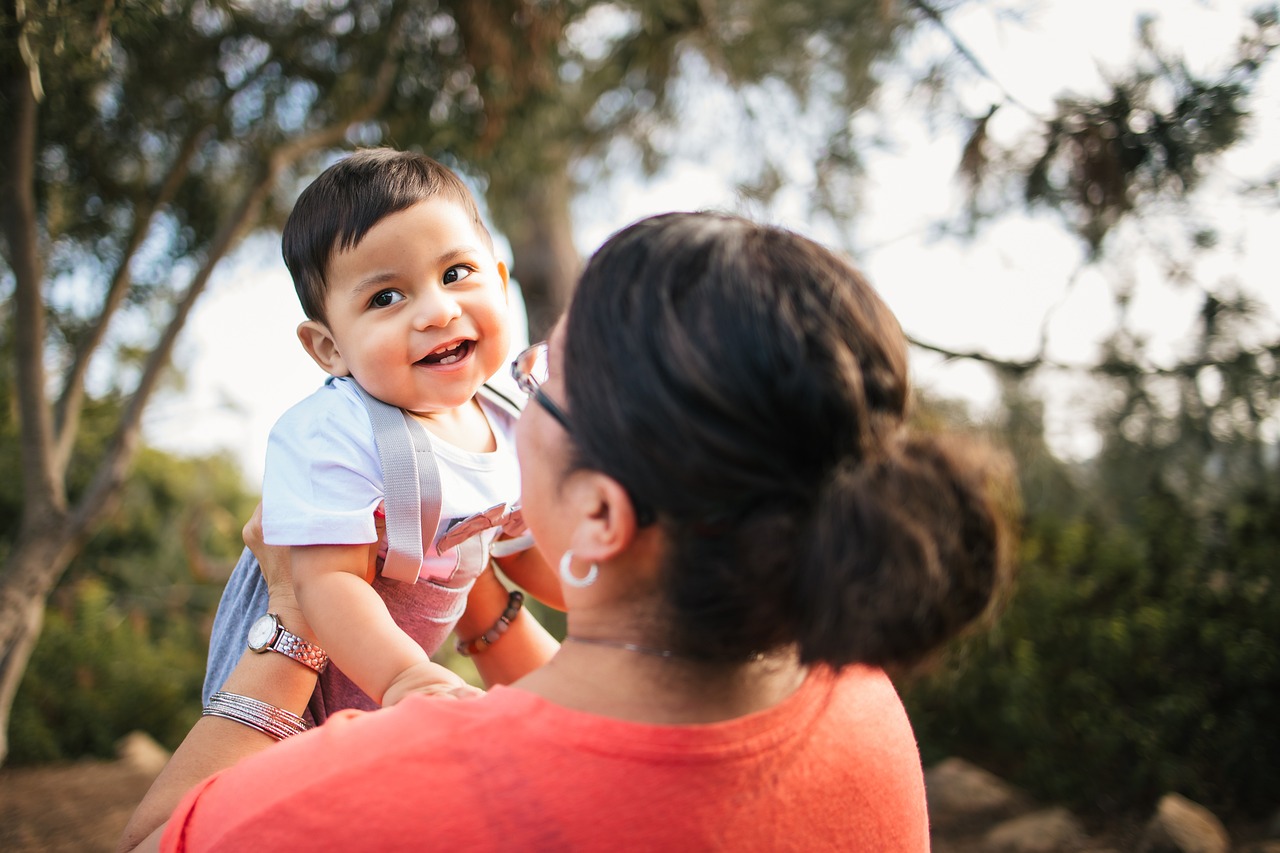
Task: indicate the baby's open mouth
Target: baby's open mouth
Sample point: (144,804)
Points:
(449,354)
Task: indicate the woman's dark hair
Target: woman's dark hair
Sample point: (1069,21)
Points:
(750,387)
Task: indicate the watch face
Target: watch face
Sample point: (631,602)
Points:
(261,632)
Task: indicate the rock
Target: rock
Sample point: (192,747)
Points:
(962,796)
(1053,830)
(140,751)
(1181,826)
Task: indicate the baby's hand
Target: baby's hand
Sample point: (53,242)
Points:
(465,691)
(432,679)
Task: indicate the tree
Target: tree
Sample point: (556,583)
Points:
(556,88)
(1124,173)
(139,145)
(126,631)
(1144,632)
(143,141)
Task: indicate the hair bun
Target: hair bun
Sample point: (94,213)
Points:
(907,550)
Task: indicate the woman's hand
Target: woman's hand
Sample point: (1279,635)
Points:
(524,647)
(277,569)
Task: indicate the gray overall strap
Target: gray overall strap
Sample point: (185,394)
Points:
(411,486)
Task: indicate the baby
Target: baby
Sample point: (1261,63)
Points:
(404,297)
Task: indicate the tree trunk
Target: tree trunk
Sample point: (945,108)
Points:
(39,553)
(34,565)
(536,220)
(52,534)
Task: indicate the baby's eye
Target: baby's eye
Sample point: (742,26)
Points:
(453,275)
(386,298)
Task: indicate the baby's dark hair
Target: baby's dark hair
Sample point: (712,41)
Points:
(751,388)
(338,208)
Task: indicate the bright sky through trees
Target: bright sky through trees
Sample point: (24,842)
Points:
(243,366)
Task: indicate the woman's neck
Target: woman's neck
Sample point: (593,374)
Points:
(637,686)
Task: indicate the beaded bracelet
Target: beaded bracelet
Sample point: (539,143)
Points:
(268,719)
(473,647)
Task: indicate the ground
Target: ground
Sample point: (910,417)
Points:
(82,806)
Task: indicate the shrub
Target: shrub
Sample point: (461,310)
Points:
(1135,659)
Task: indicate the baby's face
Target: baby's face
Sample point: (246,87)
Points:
(418,310)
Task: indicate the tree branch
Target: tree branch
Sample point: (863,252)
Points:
(45,495)
(1003,365)
(115,464)
(383,82)
(66,413)
(1113,369)
(936,17)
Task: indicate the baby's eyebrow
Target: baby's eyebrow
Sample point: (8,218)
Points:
(457,253)
(377,279)
(372,282)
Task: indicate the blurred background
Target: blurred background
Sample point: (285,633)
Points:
(1072,205)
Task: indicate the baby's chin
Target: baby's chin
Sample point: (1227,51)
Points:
(440,404)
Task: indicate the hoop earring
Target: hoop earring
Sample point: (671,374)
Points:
(567,575)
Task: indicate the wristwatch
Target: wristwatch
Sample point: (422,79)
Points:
(267,634)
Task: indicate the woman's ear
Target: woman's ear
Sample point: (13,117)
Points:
(606,517)
(318,341)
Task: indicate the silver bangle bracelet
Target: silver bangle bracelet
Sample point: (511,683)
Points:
(268,719)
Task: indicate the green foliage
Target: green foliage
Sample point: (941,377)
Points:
(100,672)
(1140,653)
(1151,139)
(126,632)
(1136,658)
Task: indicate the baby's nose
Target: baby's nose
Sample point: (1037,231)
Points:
(437,309)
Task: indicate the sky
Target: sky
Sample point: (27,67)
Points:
(242,366)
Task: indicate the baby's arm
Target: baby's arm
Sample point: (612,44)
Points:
(352,624)
(529,570)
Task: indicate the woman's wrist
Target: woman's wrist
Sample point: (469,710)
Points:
(286,607)
(485,603)
(476,645)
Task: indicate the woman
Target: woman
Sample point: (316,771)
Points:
(718,461)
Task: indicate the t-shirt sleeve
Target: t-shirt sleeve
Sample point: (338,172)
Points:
(174,837)
(322,478)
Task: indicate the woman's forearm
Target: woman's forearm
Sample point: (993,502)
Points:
(529,569)
(524,647)
(215,743)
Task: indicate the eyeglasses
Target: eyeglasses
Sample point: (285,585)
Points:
(529,370)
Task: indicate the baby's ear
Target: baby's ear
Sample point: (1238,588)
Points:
(318,341)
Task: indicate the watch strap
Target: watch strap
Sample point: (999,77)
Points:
(292,646)
(307,654)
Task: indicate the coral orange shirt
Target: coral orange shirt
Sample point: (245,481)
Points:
(833,766)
